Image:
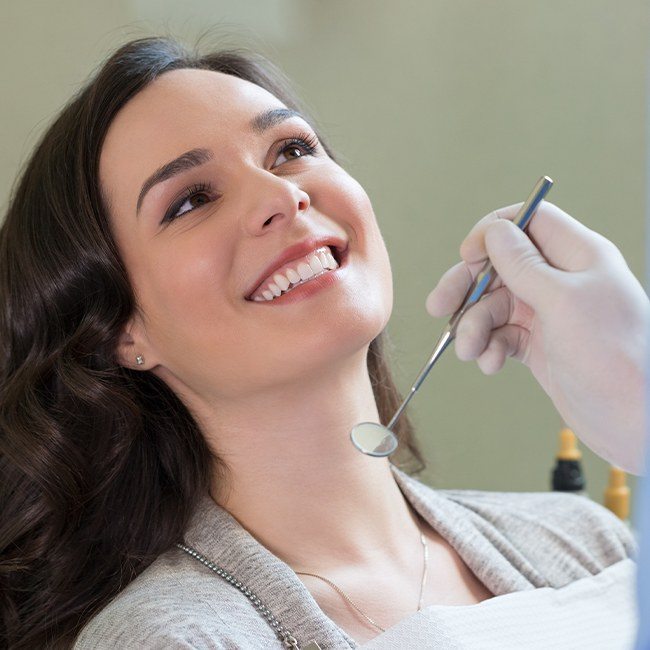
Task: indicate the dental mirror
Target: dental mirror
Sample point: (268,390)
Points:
(374,439)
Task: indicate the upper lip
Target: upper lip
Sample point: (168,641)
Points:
(294,252)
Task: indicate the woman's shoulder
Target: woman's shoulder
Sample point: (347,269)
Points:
(565,536)
(174,603)
(531,522)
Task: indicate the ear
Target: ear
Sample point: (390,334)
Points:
(133,343)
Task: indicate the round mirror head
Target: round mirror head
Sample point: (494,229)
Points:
(373,439)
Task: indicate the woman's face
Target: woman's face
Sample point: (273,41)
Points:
(194,256)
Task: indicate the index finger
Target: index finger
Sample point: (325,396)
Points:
(566,243)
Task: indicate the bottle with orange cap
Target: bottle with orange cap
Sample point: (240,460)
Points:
(617,494)
(567,474)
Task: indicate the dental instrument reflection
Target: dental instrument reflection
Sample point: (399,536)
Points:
(376,439)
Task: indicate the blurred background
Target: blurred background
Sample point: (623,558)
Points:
(443,111)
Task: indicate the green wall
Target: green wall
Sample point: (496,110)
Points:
(443,111)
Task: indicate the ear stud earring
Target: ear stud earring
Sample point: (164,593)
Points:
(139,360)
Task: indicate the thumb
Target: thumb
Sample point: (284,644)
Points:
(521,266)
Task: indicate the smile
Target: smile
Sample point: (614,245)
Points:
(296,273)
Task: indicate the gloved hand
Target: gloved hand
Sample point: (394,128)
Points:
(565,304)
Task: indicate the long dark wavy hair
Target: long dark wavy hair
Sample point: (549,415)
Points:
(100,466)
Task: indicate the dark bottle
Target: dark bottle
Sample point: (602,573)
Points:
(567,474)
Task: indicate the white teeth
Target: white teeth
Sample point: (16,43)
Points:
(318,263)
(293,276)
(281,281)
(315,264)
(305,271)
(323,259)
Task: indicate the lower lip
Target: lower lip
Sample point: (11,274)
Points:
(309,288)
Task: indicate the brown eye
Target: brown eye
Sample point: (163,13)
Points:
(197,200)
(294,148)
(298,147)
(193,197)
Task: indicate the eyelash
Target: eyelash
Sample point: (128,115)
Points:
(307,141)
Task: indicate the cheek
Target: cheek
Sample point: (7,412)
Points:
(352,205)
(186,289)
(357,212)
(344,193)
(370,294)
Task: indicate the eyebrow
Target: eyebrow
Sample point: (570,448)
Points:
(195,157)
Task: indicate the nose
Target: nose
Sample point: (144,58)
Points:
(274,200)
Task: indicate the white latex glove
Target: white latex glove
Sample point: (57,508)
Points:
(565,304)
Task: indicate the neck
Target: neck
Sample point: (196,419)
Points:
(297,483)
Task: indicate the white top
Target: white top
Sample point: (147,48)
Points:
(588,614)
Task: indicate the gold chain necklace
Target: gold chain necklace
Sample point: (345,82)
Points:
(340,591)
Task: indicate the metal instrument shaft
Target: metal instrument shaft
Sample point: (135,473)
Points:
(478,287)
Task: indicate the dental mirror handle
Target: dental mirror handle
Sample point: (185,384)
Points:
(478,287)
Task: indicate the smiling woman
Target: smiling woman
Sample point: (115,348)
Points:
(209,171)
(194,297)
